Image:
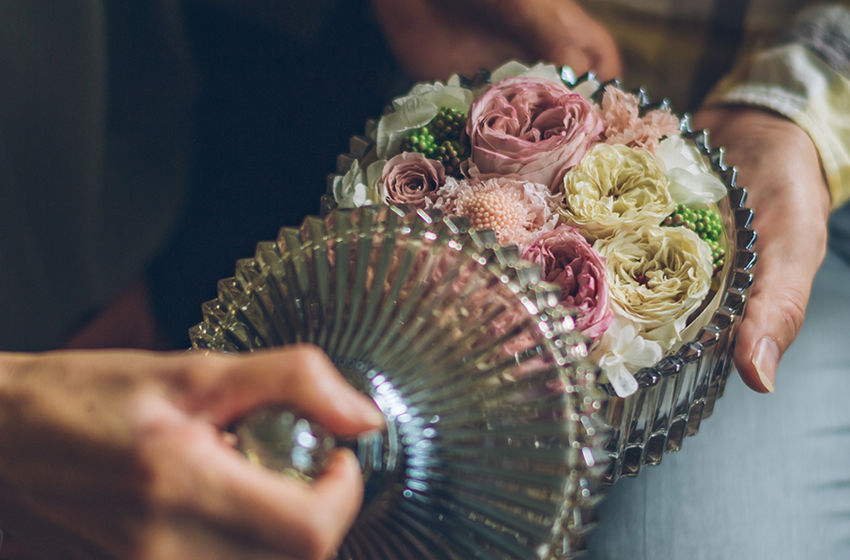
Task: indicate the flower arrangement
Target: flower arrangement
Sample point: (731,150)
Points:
(616,207)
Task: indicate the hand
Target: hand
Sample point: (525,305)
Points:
(118,455)
(433,39)
(780,167)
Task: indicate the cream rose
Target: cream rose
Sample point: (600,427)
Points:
(657,277)
(615,187)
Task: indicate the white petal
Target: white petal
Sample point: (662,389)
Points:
(623,382)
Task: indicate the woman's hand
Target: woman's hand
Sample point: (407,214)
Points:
(433,39)
(779,166)
(119,455)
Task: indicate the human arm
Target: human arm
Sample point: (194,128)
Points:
(433,39)
(119,455)
(784,117)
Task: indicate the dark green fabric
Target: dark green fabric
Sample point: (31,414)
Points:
(273,112)
(93,131)
(101,102)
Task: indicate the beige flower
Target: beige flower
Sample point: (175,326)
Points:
(657,277)
(615,187)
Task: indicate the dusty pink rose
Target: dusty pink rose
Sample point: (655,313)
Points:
(570,262)
(514,208)
(532,127)
(624,125)
(410,177)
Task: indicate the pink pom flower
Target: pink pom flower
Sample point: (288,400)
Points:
(531,127)
(623,125)
(514,208)
(410,177)
(570,262)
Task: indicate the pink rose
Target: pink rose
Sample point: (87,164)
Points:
(410,177)
(532,127)
(570,262)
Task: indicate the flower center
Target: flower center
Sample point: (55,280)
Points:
(496,210)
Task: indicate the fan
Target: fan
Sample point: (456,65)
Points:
(492,448)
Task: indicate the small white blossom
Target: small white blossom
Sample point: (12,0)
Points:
(622,352)
(691,180)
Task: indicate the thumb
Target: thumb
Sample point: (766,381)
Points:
(791,246)
(299,375)
(780,167)
(774,316)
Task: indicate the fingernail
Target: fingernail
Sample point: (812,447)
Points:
(766,360)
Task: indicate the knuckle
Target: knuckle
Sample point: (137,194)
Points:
(199,367)
(307,358)
(791,308)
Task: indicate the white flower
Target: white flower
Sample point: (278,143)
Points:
(587,88)
(358,188)
(416,109)
(691,180)
(514,69)
(622,352)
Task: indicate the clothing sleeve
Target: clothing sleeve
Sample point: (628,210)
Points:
(805,76)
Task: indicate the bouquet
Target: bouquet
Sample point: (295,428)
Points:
(618,209)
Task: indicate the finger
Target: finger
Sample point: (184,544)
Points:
(780,167)
(791,247)
(271,510)
(775,314)
(568,55)
(308,521)
(301,376)
(568,35)
(206,496)
(605,60)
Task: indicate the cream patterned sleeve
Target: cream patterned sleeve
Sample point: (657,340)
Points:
(805,77)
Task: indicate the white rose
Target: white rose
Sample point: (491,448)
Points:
(514,69)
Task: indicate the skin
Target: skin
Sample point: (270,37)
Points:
(777,160)
(119,455)
(778,163)
(433,39)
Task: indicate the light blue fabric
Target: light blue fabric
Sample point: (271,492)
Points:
(768,476)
